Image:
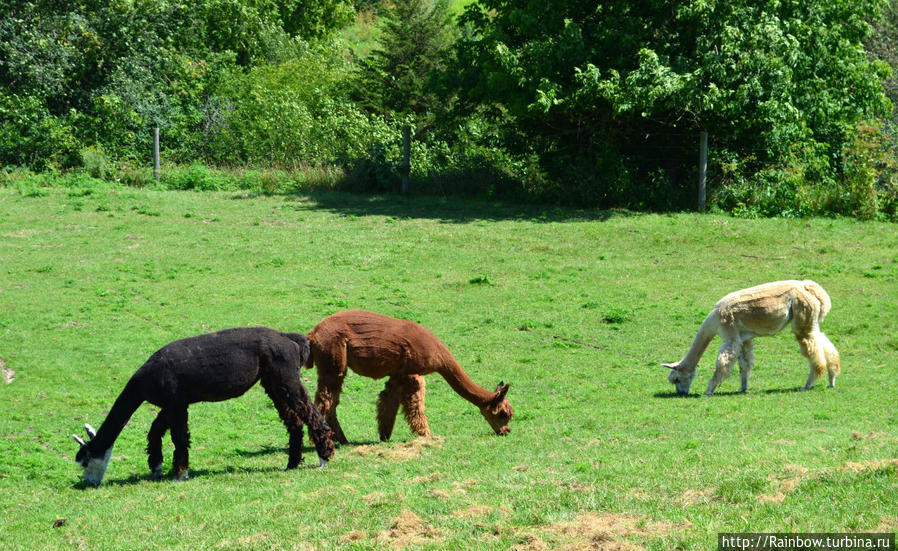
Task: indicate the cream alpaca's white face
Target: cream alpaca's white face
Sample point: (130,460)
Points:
(683,381)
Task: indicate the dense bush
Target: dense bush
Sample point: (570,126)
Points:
(611,98)
(293,114)
(568,102)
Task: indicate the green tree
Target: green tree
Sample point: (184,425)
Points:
(104,73)
(883,44)
(395,79)
(610,96)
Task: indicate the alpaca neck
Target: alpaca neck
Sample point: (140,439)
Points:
(464,386)
(702,339)
(122,410)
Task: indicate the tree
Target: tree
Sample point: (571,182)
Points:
(103,73)
(883,44)
(611,95)
(394,79)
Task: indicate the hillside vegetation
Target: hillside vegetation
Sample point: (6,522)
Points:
(573,102)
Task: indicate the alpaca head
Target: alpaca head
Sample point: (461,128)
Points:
(324,445)
(94,466)
(681,377)
(498,411)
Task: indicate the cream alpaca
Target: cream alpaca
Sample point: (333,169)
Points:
(759,311)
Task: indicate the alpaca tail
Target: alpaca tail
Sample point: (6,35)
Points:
(705,334)
(833,362)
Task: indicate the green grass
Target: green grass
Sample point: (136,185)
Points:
(575,309)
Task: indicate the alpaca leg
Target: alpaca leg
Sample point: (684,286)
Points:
(180,437)
(154,444)
(746,362)
(812,349)
(726,357)
(413,404)
(387,407)
(327,398)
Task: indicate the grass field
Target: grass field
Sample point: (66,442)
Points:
(575,309)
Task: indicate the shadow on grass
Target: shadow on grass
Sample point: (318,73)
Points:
(446,209)
(673,394)
(308,452)
(785,390)
(308,463)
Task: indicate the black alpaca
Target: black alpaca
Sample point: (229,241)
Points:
(210,368)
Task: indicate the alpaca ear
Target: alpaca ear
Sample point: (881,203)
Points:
(669,366)
(78,439)
(502,390)
(91,432)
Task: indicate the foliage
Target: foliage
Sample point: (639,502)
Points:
(567,102)
(293,113)
(395,78)
(882,44)
(105,74)
(610,94)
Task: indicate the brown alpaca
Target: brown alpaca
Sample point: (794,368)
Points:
(377,346)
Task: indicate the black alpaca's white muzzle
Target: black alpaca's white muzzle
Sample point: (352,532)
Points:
(94,467)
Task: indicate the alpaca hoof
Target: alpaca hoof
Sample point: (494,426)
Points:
(156,473)
(322,463)
(182,476)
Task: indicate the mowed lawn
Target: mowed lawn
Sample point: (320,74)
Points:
(576,310)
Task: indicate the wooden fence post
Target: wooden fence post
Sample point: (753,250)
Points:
(702,168)
(156,171)
(406,166)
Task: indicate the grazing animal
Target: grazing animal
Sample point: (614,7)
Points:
(210,368)
(377,346)
(759,311)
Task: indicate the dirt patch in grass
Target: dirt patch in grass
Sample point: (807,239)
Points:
(439,494)
(424,479)
(872,465)
(408,529)
(377,499)
(694,497)
(859,436)
(473,511)
(594,531)
(353,535)
(783,484)
(402,451)
(887,524)
(8,374)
